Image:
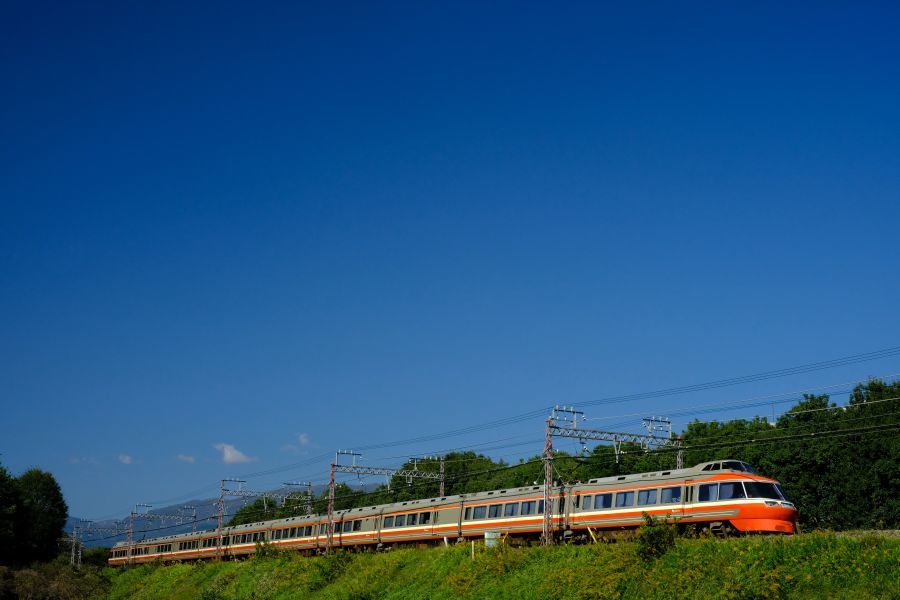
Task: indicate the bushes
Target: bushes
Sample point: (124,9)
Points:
(654,538)
(807,566)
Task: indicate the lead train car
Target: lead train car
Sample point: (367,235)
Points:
(720,496)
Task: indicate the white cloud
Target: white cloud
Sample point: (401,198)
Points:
(185,458)
(125,459)
(303,438)
(231,455)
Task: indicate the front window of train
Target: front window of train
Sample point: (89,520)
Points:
(759,489)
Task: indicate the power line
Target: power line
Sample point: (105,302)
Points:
(765,375)
(890,429)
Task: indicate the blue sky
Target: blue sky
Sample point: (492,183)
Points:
(268,232)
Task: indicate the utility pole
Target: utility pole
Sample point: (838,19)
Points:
(241,493)
(330,527)
(76,550)
(82,530)
(410,474)
(563,422)
(130,535)
(220,518)
(307,494)
(547,532)
(442,477)
(193,516)
(646,441)
(664,425)
(140,514)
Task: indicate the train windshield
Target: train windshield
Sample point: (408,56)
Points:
(781,491)
(758,489)
(736,465)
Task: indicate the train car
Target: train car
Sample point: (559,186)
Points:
(722,497)
(725,496)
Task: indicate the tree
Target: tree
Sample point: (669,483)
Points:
(41,516)
(9,506)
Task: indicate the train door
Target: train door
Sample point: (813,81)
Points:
(677,509)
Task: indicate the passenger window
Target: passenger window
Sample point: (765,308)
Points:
(400,521)
(424,518)
(541,507)
(468,514)
(603,501)
(585,502)
(709,492)
(357,525)
(528,507)
(624,499)
(479,512)
(388,522)
(647,497)
(511,510)
(731,490)
(494,511)
(671,495)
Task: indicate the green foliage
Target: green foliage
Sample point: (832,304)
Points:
(41,516)
(97,557)
(329,567)
(654,538)
(10,503)
(54,580)
(821,565)
(33,513)
(265,550)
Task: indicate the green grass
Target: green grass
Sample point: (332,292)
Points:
(819,565)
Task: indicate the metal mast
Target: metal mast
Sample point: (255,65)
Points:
(410,474)
(563,422)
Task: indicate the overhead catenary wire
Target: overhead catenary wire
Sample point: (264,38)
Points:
(715,384)
(888,428)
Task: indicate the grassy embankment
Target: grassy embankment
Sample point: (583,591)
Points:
(819,565)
